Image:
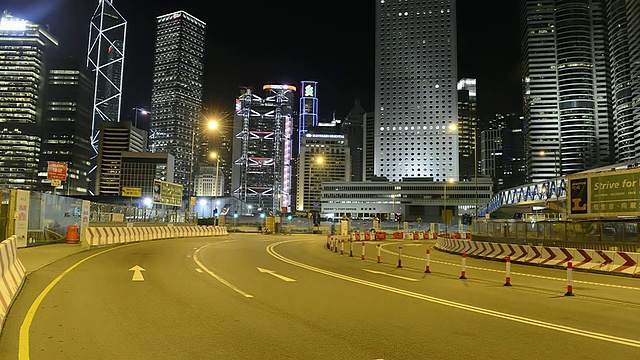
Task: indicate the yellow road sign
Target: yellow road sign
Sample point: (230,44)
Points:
(131,191)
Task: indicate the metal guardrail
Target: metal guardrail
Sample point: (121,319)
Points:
(616,235)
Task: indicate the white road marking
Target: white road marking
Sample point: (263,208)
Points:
(387,274)
(514,273)
(271,272)
(199,270)
(457,305)
(225,282)
(137,273)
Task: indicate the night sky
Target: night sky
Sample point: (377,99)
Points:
(288,41)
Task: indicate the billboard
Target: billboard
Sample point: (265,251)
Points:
(605,195)
(56,171)
(166,193)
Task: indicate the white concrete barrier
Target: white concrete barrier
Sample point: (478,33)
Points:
(12,274)
(98,236)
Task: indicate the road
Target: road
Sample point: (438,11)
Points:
(250,296)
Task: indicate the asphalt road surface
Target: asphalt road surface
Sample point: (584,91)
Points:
(250,296)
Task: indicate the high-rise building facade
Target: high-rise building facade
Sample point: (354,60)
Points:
(176,98)
(416,106)
(501,151)
(308,111)
(105,58)
(24,48)
(353,128)
(116,138)
(140,169)
(323,157)
(566,86)
(67,127)
(467,127)
(263,147)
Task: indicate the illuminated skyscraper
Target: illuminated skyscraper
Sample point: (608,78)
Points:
(416,111)
(262,148)
(24,47)
(176,97)
(308,115)
(566,87)
(105,57)
(468,123)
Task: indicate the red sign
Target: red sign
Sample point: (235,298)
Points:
(56,171)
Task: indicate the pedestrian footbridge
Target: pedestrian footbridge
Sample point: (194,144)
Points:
(528,194)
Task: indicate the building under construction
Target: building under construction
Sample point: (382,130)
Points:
(262,149)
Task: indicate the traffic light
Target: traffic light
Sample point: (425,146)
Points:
(235,215)
(289,217)
(399,217)
(261,215)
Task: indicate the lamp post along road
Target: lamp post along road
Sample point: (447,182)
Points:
(318,160)
(445,214)
(215,188)
(212,125)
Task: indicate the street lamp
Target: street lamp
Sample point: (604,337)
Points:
(318,160)
(557,162)
(212,125)
(217,157)
(141,111)
(445,218)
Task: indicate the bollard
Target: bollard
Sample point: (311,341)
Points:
(463,276)
(363,250)
(569,279)
(378,253)
(508,282)
(350,248)
(335,246)
(428,269)
(342,247)
(399,257)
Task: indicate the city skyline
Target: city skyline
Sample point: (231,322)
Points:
(344,68)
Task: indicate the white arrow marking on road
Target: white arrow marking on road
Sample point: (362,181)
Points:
(137,273)
(271,272)
(384,273)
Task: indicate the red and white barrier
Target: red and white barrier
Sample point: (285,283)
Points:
(508,272)
(463,274)
(428,267)
(569,280)
(12,274)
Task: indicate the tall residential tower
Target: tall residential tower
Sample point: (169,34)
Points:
(176,96)
(416,106)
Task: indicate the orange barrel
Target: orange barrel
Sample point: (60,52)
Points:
(72,234)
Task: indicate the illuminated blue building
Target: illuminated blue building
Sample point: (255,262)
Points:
(308,115)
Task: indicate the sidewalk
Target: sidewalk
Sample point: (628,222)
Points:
(33,258)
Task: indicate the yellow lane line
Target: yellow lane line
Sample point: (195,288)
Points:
(23,343)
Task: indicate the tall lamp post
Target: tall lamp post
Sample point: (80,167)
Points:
(318,160)
(212,125)
(557,162)
(445,218)
(217,157)
(141,111)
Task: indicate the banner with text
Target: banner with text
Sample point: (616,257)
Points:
(606,195)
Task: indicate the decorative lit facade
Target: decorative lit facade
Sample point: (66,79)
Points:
(24,47)
(176,98)
(415,90)
(105,57)
(262,148)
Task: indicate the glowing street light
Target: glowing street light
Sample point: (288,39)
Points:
(445,216)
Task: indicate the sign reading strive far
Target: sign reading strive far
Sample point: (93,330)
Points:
(56,171)
(606,194)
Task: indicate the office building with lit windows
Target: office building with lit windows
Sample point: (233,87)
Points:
(116,138)
(140,169)
(67,127)
(323,157)
(566,87)
(24,48)
(176,97)
(467,127)
(416,106)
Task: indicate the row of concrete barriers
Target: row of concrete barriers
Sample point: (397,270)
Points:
(12,274)
(612,262)
(98,236)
